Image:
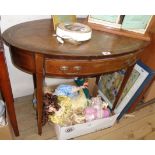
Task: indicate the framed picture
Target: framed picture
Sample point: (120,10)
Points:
(136,23)
(62,18)
(109,86)
(106,20)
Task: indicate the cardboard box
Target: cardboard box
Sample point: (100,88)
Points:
(6,133)
(69,132)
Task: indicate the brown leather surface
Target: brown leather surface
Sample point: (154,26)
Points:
(37,36)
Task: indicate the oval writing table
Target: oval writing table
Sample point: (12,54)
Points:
(35,50)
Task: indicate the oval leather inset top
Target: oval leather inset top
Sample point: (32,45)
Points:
(37,36)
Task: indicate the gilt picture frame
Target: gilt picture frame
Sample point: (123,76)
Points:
(62,18)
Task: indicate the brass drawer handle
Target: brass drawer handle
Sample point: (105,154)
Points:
(64,69)
(77,68)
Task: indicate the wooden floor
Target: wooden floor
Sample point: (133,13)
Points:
(142,126)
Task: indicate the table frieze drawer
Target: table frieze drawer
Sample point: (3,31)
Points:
(60,67)
(22,59)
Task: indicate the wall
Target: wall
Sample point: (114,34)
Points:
(22,83)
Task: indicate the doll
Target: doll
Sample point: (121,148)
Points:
(83,83)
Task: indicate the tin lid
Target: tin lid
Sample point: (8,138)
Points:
(2,108)
(75,31)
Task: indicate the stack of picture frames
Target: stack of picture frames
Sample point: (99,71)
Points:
(109,84)
(135,26)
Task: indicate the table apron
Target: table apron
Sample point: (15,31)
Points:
(25,60)
(68,68)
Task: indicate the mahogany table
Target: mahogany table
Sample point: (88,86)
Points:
(35,50)
(5,88)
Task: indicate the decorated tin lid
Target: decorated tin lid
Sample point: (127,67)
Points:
(75,31)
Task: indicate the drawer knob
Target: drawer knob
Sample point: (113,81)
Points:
(64,68)
(77,68)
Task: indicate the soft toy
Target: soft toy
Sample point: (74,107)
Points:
(90,114)
(50,106)
(67,90)
(97,110)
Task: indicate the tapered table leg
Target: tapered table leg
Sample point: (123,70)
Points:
(39,88)
(7,93)
(125,80)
